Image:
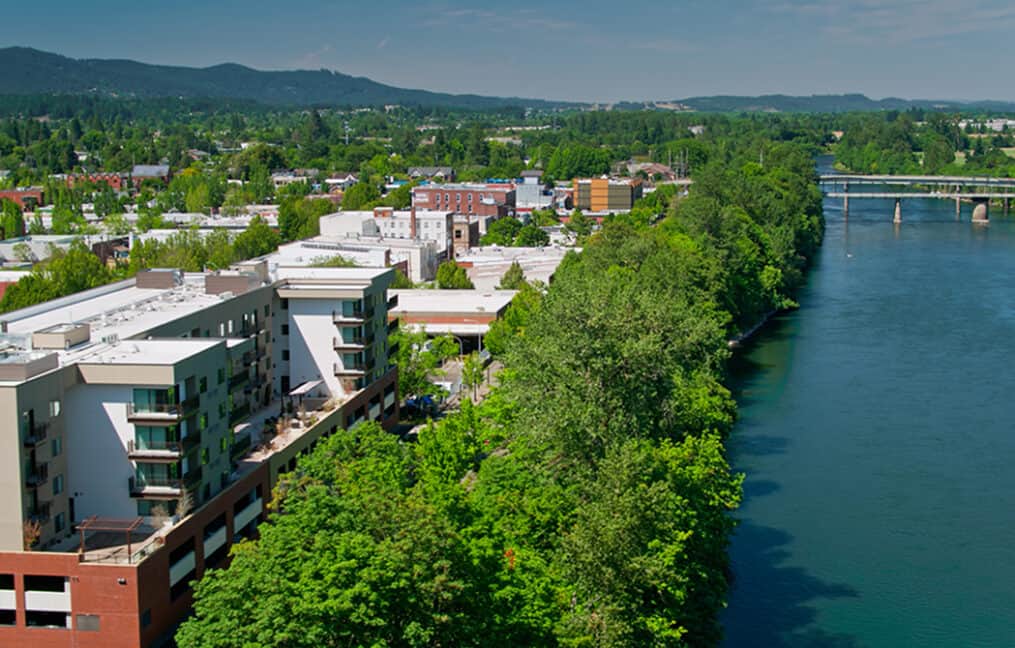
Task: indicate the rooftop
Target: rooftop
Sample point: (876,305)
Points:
(451,301)
(150,352)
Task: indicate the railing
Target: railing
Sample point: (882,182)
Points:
(191,404)
(351,369)
(41,513)
(355,314)
(240,447)
(36,435)
(138,485)
(168,447)
(157,410)
(248,358)
(238,379)
(344,343)
(194,476)
(37,475)
(239,413)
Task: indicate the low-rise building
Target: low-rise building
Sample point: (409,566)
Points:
(487,265)
(493,200)
(139,440)
(466,314)
(417,259)
(531,193)
(389,223)
(27,198)
(606,194)
(466,233)
(141,172)
(438,173)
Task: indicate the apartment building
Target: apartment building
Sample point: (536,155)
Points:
(606,194)
(143,425)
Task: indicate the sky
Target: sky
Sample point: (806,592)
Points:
(576,50)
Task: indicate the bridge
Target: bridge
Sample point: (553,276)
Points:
(978,190)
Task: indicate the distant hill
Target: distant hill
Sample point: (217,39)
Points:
(27,71)
(829,104)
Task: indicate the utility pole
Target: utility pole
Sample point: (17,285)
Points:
(347,129)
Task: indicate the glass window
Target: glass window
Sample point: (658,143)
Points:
(58,484)
(203,384)
(60,522)
(56,446)
(285,329)
(221,375)
(285,354)
(54,408)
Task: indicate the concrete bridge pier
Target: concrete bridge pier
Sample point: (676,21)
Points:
(1007,206)
(958,208)
(845,200)
(898,211)
(981,211)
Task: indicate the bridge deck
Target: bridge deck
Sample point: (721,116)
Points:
(901,194)
(964,181)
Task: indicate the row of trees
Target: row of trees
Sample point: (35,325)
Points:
(587,501)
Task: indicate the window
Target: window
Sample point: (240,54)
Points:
(222,410)
(59,522)
(222,330)
(58,484)
(470,197)
(56,446)
(285,304)
(88,622)
(224,445)
(203,422)
(204,456)
(229,326)
(285,355)
(146,618)
(221,375)
(54,408)
(266,311)
(285,329)
(8,617)
(203,384)
(46,619)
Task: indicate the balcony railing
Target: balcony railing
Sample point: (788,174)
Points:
(36,435)
(239,413)
(238,380)
(41,513)
(240,447)
(37,475)
(194,476)
(354,342)
(154,411)
(351,369)
(355,315)
(191,404)
(151,485)
(154,449)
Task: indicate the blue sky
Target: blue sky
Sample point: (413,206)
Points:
(588,50)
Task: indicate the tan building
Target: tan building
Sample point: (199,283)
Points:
(606,194)
(137,440)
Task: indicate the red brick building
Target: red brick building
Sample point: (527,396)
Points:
(25,198)
(115,181)
(472,199)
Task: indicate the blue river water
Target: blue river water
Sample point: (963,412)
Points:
(878,443)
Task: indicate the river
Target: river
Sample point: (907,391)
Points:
(877,440)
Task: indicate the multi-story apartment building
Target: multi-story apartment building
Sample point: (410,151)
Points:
(144,424)
(606,194)
(492,200)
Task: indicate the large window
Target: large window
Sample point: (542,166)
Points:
(155,438)
(153,400)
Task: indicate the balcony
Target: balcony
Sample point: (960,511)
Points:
(356,342)
(238,380)
(37,475)
(165,413)
(193,477)
(239,413)
(355,316)
(41,513)
(351,369)
(155,451)
(239,447)
(157,487)
(36,435)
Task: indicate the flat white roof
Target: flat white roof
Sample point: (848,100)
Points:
(150,352)
(451,301)
(331,274)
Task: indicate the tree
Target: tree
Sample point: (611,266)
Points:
(257,240)
(64,273)
(531,236)
(359,196)
(336,261)
(502,232)
(418,358)
(11,220)
(579,224)
(513,278)
(472,373)
(451,276)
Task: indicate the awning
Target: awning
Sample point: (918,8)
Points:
(305,388)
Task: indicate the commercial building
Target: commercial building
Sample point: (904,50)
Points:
(492,200)
(466,233)
(385,222)
(141,172)
(606,194)
(417,259)
(486,265)
(138,440)
(531,192)
(462,313)
(115,181)
(28,198)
